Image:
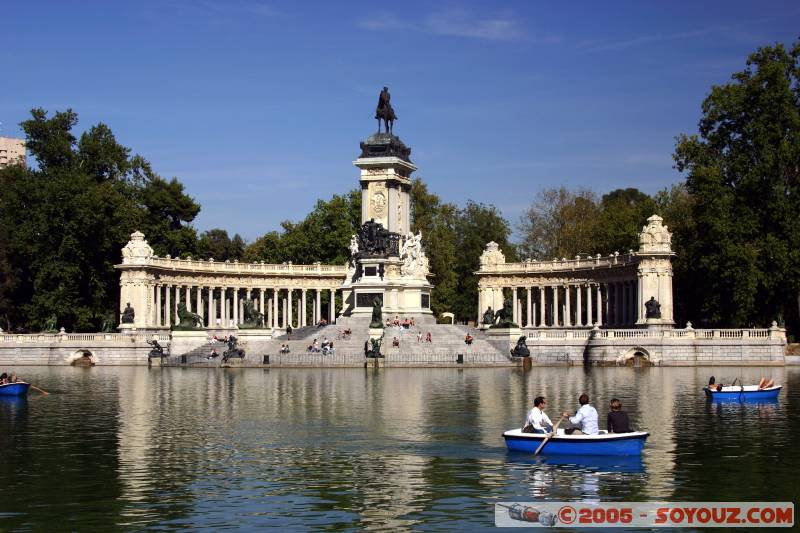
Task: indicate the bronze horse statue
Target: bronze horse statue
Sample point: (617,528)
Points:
(385,111)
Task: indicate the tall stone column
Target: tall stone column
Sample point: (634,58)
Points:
(210,315)
(235,306)
(599,305)
(275,307)
(261,308)
(317,305)
(289,317)
(542,309)
(188,297)
(529,308)
(168,318)
(199,300)
(578,306)
(514,313)
(332,307)
(159,310)
(303,319)
(589,310)
(568,313)
(555,306)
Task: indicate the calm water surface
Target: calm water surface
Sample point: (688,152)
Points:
(315,449)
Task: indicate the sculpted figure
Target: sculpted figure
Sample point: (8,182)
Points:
(652,308)
(377,314)
(521,349)
(488,316)
(128,314)
(187,320)
(384,111)
(504,317)
(252,318)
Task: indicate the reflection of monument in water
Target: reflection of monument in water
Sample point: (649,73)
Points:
(386,260)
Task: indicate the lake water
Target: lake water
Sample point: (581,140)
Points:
(309,449)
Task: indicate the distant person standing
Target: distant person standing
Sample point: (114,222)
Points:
(617,420)
(585,419)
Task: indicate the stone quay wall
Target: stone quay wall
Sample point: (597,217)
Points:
(548,347)
(54,349)
(667,347)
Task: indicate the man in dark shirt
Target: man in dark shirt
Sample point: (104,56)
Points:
(617,421)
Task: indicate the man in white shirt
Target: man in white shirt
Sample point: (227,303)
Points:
(585,418)
(538,421)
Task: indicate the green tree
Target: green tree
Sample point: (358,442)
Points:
(66,220)
(323,235)
(436,221)
(216,244)
(742,172)
(622,214)
(475,226)
(559,223)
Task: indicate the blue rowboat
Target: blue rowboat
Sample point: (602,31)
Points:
(741,393)
(20,388)
(601,444)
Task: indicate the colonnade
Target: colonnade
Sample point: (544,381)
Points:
(571,304)
(223,307)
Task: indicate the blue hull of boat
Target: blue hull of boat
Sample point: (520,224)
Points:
(14,389)
(613,445)
(743,396)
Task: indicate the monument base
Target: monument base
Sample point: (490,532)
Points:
(375,333)
(182,341)
(246,335)
(127,328)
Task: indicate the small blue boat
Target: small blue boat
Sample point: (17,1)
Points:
(20,388)
(601,444)
(741,393)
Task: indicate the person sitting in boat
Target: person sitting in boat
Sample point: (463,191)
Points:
(617,420)
(585,419)
(3,378)
(538,421)
(764,384)
(712,384)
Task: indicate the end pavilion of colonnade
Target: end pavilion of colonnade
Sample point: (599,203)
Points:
(604,291)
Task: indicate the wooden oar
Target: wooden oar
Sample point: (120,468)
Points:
(549,436)
(38,389)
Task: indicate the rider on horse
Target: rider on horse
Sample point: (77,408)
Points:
(384,111)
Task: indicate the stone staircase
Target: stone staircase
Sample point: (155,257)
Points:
(448,343)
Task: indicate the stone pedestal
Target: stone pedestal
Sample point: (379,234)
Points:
(375,333)
(185,341)
(127,328)
(504,339)
(247,335)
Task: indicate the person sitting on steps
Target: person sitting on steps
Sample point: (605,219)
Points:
(396,342)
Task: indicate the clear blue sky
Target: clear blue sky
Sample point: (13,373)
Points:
(258,107)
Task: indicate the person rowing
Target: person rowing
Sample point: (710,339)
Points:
(585,419)
(537,420)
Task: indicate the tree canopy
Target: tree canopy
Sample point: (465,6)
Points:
(66,220)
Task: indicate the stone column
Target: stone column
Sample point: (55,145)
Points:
(235,306)
(514,314)
(589,310)
(542,309)
(189,300)
(262,309)
(568,313)
(555,306)
(210,316)
(528,320)
(168,318)
(159,310)
(599,305)
(578,306)
(289,316)
(332,307)
(303,318)
(318,306)
(275,308)
(199,300)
